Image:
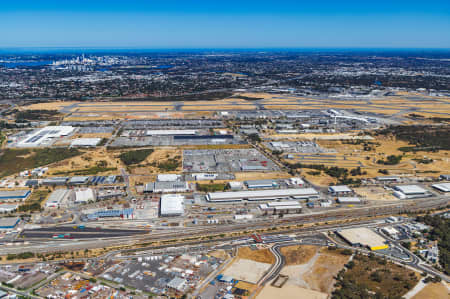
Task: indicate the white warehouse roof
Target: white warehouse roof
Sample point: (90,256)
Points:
(341,188)
(411,189)
(444,187)
(262,194)
(168,177)
(44,135)
(86,142)
(84,195)
(172,205)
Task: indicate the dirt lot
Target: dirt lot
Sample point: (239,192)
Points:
(289,291)
(90,158)
(296,255)
(260,255)
(220,254)
(434,290)
(321,276)
(247,270)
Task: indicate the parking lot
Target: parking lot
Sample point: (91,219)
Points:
(227,160)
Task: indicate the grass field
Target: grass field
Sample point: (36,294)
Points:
(261,255)
(91,162)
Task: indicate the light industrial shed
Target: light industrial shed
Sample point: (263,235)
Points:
(85,142)
(300,193)
(171,205)
(12,195)
(255,184)
(282,207)
(56,198)
(9,222)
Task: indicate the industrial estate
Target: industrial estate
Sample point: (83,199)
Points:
(128,176)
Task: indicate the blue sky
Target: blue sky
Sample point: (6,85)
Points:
(225,24)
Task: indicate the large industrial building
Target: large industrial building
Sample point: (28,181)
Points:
(171,205)
(45,136)
(411,191)
(14,195)
(260,184)
(444,187)
(281,207)
(84,195)
(339,190)
(85,142)
(363,237)
(300,193)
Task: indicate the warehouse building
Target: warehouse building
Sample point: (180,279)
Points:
(281,207)
(301,193)
(348,200)
(7,223)
(235,186)
(444,177)
(260,184)
(363,237)
(124,214)
(166,187)
(204,176)
(388,179)
(45,136)
(78,180)
(56,181)
(85,142)
(339,190)
(168,177)
(410,192)
(14,195)
(171,205)
(84,195)
(444,187)
(57,197)
(8,208)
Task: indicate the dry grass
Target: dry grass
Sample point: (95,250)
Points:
(433,290)
(89,159)
(289,291)
(260,255)
(243,176)
(220,254)
(297,255)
